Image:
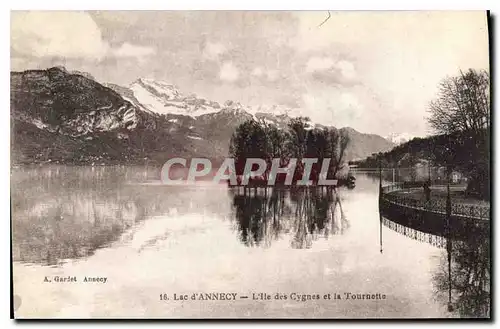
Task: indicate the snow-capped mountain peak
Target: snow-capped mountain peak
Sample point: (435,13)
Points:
(164,98)
(399,138)
(235,108)
(158,88)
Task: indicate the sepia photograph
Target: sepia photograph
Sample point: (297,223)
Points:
(250,164)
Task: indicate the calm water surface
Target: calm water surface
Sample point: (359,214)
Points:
(148,239)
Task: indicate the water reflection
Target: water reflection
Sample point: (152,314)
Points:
(61,213)
(264,215)
(71,212)
(464,277)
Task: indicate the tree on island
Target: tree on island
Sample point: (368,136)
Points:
(254,139)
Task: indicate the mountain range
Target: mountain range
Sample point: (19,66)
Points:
(69,117)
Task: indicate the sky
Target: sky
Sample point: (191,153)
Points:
(373,71)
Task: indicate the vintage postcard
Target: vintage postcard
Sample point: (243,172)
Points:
(250,164)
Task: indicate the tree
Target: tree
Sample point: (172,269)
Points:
(337,142)
(248,141)
(253,139)
(462,113)
(298,137)
(463,104)
(342,147)
(275,145)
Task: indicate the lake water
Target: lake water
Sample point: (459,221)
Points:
(152,241)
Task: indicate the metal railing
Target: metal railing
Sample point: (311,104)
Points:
(433,205)
(434,240)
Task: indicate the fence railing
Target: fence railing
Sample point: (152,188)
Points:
(432,239)
(393,187)
(433,205)
(435,175)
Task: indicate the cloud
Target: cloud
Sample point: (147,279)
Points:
(272,75)
(315,64)
(347,69)
(349,101)
(328,70)
(257,72)
(229,72)
(213,50)
(130,50)
(73,35)
(56,34)
(336,107)
(291,101)
(269,75)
